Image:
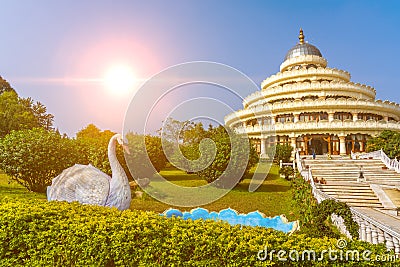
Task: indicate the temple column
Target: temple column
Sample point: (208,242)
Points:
(328,140)
(263,151)
(355,116)
(293,142)
(296,117)
(273,118)
(386,118)
(305,138)
(330,116)
(342,145)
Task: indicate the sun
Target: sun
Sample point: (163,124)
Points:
(120,79)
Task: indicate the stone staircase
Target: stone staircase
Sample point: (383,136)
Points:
(341,174)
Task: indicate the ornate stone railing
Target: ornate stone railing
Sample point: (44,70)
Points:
(392,164)
(296,90)
(383,108)
(311,59)
(375,232)
(286,75)
(370,127)
(370,230)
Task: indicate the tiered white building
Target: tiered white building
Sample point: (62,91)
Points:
(313,108)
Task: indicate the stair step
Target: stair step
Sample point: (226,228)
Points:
(351,194)
(355,197)
(341,176)
(340,188)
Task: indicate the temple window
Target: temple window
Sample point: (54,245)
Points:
(284,118)
(282,140)
(369,116)
(313,97)
(343,116)
(251,122)
(281,100)
(338,96)
(313,116)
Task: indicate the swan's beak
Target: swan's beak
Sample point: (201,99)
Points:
(126,148)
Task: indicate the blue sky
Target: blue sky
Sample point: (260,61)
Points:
(57,51)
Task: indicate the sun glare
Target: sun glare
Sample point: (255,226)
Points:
(120,79)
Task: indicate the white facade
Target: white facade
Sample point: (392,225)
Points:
(313,107)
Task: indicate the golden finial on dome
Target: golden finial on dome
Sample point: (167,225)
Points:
(301,36)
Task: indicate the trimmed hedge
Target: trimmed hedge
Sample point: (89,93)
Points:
(39,233)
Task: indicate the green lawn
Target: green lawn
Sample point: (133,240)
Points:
(12,189)
(273,197)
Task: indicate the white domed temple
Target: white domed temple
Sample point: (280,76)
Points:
(313,108)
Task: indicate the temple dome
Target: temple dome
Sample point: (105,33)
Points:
(302,49)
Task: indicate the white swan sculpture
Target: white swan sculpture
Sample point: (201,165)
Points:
(88,185)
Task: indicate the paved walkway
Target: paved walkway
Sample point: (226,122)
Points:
(387,220)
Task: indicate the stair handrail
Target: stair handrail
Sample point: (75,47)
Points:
(392,164)
(395,164)
(299,162)
(385,159)
(382,233)
(374,154)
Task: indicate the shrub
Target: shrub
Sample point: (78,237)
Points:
(324,210)
(286,171)
(39,233)
(34,157)
(303,199)
(314,217)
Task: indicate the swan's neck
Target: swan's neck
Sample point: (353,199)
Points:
(118,173)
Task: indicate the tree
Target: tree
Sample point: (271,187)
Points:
(94,146)
(231,149)
(185,148)
(193,133)
(34,157)
(145,156)
(282,152)
(5,86)
(15,114)
(173,130)
(90,131)
(44,119)
(18,113)
(388,141)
